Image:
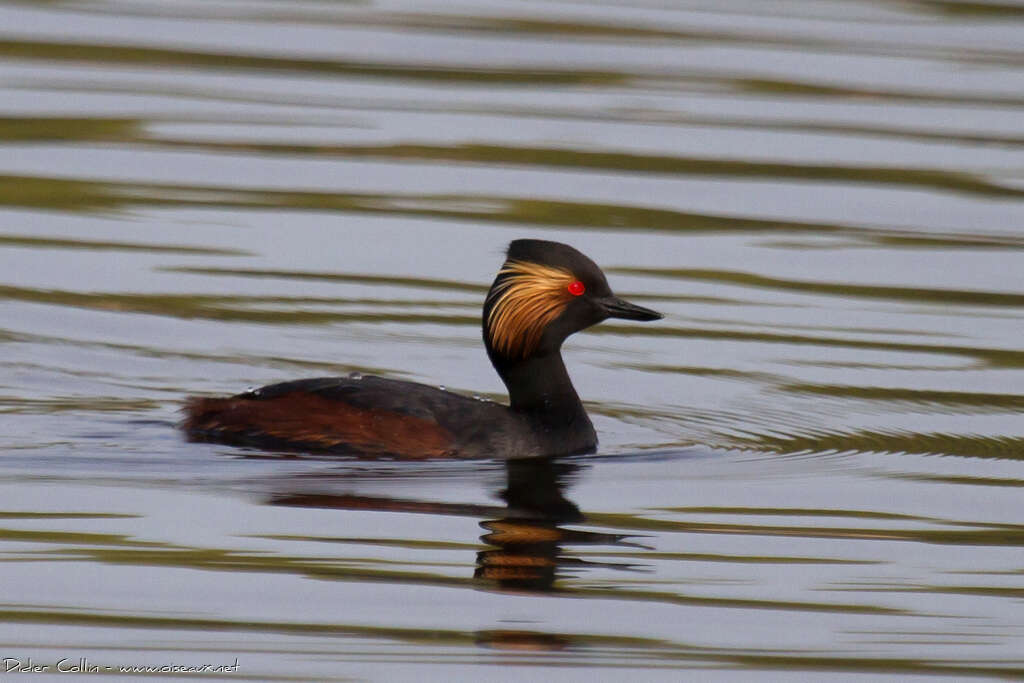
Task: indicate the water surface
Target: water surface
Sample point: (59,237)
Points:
(810,469)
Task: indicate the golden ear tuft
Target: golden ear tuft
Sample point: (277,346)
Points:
(526,301)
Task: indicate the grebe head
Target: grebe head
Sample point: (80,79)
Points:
(544,292)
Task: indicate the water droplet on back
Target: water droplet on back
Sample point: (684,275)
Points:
(355,375)
(443,388)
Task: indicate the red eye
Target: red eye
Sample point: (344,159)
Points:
(576,288)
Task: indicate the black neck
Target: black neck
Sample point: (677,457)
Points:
(540,385)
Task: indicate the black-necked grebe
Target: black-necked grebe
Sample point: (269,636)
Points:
(544,292)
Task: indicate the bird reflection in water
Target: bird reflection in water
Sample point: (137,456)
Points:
(526,536)
(528,540)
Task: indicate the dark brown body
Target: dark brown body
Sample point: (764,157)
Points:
(545,292)
(380,417)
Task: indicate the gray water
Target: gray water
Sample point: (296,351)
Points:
(811,469)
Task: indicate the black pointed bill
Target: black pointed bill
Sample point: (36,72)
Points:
(620,308)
